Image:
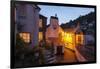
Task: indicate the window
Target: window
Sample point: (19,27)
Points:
(40,36)
(25,37)
(40,23)
(79,39)
(21,9)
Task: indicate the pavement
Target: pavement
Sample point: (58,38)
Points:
(68,57)
(88,52)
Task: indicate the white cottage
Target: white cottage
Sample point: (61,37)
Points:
(54,33)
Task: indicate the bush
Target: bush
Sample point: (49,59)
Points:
(27,55)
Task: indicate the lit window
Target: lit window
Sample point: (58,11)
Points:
(25,37)
(40,36)
(79,39)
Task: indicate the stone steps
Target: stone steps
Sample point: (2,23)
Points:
(49,57)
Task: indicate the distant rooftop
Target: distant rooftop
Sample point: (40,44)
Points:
(54,17)
(40,15)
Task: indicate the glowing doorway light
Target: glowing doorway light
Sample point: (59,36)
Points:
(69,40)
(68,37)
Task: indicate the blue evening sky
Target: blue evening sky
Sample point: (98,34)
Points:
(65,14)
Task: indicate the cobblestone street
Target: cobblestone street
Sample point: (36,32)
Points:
(68,57)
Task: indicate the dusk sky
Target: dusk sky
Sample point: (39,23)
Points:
(65,14)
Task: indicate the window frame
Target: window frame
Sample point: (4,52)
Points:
(25,40)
